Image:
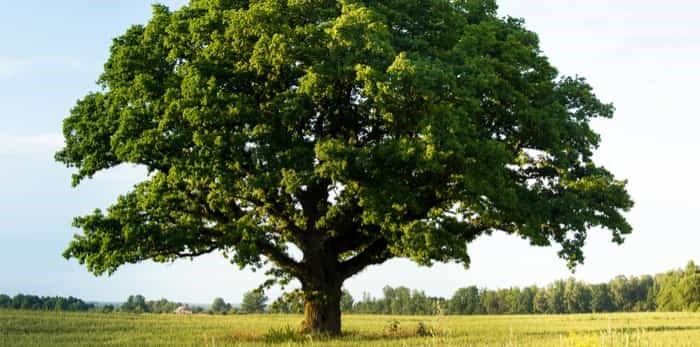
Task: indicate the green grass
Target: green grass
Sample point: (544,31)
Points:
(24,328)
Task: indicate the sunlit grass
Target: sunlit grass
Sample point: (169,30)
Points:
(25,328)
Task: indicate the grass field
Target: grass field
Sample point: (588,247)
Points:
(23,328)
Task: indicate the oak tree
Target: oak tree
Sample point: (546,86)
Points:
(326,136)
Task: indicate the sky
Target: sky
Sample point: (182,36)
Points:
(641,55)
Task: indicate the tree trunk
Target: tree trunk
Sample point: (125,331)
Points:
(322,309)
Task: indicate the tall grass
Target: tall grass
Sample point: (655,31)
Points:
(25,328)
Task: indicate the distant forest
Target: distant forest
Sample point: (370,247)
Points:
(677,290)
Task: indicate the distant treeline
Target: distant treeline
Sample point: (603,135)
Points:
(133,304)
(46,303)
(677,290)
(139,304)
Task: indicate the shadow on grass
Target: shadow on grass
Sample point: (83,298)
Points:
(287,334)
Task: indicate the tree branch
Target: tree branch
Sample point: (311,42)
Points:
(197,253)
(375,253)
(276,210)
(349,241)
(314,201)
(189,254)
(280,258)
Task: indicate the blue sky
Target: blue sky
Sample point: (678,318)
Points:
(641,55)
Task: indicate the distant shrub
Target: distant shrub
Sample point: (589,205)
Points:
(393,327)
(422,329)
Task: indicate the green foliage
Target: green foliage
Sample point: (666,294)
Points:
(43,303)
(577,296)
(220,306)
(161,306)
(429,124)
(292,302)
(526,299)
(555,297)
(5,301)
(346,301)
(465,301)
(253,301)
(679,290)
(135,304)
(401,301)
(673,291)
(357,131)
(601,301)
(676,290)
(539,303)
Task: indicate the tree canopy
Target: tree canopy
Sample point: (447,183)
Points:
(254,301)
(220,306)
(353,131)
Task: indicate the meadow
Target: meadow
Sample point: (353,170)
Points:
(31,328)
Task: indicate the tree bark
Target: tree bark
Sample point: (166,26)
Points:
(321,283)
(322,308)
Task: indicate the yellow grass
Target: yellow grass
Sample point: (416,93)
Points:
(23,328)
